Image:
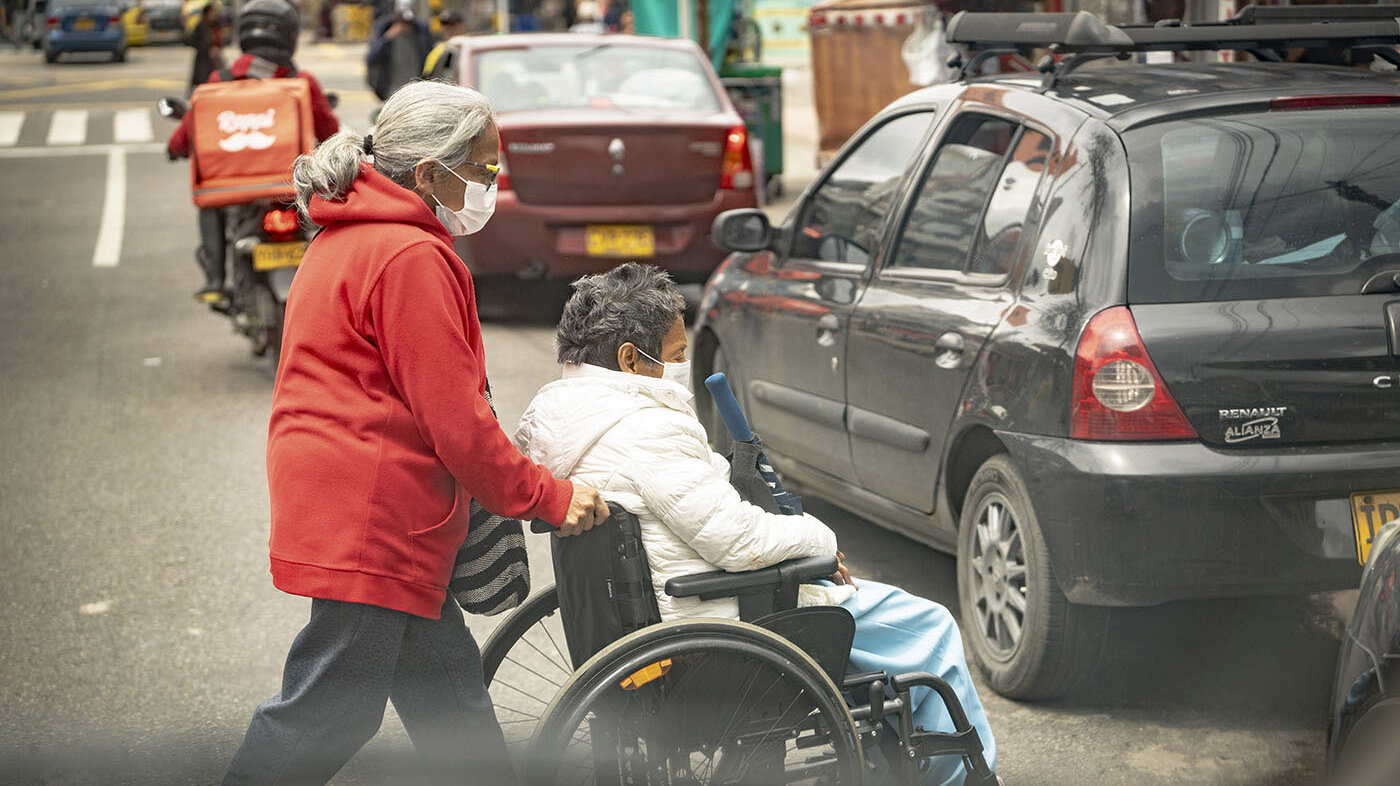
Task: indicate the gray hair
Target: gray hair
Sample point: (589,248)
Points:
(421,121)
(632,302)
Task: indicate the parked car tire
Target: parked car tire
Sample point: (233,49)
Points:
(119,56)
(1028,640)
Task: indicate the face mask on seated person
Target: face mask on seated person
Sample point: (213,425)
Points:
(676,372)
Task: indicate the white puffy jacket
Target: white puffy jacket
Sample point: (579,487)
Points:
(637,440)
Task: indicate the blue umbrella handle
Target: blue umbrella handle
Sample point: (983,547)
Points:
(728,407)
(738,426)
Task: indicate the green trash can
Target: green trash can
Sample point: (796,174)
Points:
(757,92)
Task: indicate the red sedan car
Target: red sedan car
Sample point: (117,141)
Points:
(613,148)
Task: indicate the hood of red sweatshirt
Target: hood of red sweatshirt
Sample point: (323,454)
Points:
(374,197)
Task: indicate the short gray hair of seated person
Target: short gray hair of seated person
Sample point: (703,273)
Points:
(632,302)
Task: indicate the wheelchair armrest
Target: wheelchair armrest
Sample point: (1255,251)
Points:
(723,584)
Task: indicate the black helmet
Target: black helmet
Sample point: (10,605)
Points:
(268,24)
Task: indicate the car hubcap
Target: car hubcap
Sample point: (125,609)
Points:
(998,576)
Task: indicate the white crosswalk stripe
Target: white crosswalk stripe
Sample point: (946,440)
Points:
(66,132)
(10,124)
(132,125)
(68,127)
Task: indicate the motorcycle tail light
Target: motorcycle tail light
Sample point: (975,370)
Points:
(281,222)
(1118,394)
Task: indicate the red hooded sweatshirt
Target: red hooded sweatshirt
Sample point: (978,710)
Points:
(380,433)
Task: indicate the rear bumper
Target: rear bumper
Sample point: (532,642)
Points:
(548,241)
(108,40)
(1139,524)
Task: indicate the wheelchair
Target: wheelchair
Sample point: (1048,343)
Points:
(590,686)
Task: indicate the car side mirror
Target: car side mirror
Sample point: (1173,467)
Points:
(171,108)
(746,229)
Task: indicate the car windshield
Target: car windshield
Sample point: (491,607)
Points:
(607,75)
(1264,205)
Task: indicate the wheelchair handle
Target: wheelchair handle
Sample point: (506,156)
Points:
(542,527)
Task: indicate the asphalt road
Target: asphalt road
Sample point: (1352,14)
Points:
(140,626)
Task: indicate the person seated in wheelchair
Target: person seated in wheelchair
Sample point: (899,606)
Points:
(621,419)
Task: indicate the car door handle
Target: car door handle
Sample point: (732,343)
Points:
(950,350)
(827,326)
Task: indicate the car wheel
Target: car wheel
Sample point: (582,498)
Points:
(1028,640)
(1368,755)
(50,56)
(119,56)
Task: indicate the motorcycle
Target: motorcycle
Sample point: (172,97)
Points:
(264,241)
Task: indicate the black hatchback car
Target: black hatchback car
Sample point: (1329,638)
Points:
(1116,333)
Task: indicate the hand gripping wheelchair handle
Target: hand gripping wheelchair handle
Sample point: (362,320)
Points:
(542,527)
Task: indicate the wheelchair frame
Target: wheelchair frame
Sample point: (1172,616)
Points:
(803,650)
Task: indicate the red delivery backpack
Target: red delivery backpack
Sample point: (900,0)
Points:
(246,133)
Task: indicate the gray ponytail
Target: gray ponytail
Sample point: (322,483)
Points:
(421,121)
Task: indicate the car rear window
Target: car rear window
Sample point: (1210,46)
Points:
(603,76)
(1263,205)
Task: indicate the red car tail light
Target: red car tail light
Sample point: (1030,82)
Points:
(736,170)
(1331,101)
(53,22)
(281,223)
(1118,394)
(503,176)
(114,20)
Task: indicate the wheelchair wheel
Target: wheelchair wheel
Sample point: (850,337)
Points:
(525,663)
(699,701)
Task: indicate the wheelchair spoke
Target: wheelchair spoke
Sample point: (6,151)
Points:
(556,683)
(563,658)
(494,683)
(547,657)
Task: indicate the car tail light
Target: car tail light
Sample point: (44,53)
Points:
(1330,101)
(503,176)
(281,224)
(1118,394)
(53,22)
(736,170)
(114,20)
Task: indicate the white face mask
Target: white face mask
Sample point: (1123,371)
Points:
(478,203)
(676,372)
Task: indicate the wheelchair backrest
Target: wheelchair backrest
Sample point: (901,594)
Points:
(604,584)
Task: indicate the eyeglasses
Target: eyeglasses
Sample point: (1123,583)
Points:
(492,168)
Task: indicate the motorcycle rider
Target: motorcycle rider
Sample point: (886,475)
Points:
(267,34)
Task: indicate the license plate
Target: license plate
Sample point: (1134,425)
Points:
(274,255)
(619,240)
(84,24)
(1371,510)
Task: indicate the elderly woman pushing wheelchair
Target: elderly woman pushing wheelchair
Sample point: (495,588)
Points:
(621,420)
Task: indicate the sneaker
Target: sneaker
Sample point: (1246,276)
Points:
(210,295)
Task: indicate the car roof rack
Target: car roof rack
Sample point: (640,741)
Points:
(1259,30)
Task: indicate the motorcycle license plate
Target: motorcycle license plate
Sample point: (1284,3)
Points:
(620,240)
(1371,510)
(270,256)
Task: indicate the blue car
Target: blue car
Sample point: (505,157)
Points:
(84,26)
